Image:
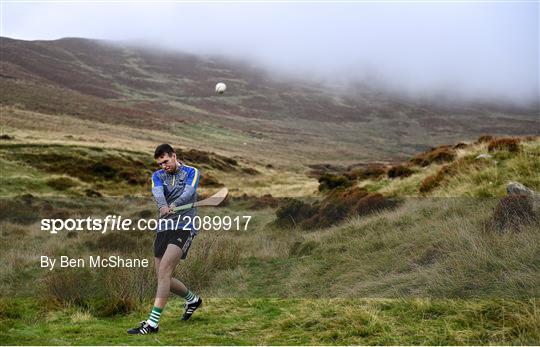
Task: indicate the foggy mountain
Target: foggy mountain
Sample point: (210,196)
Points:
(155,88)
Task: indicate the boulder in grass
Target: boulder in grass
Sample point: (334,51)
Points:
(519,208)
(516,188)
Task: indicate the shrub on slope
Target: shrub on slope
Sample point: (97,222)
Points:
(337,205)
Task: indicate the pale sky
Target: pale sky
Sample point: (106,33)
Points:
(481,49)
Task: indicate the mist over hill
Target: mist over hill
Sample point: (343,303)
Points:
(172,92)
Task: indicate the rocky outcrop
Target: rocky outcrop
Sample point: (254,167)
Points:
(516,188)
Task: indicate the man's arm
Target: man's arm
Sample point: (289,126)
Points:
(157,191)
(190,188)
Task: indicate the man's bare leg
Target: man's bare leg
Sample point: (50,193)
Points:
(168,262)
(177,287)
(193,301)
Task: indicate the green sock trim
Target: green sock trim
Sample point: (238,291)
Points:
(155,314)
(190,295)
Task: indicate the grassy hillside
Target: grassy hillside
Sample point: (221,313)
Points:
(430,245)
(467,175)
(430,271)
(152,96)
(65,169)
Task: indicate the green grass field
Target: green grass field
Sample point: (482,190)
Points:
(288,322)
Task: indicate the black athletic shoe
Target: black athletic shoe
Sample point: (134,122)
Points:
(190,308)
(145,328)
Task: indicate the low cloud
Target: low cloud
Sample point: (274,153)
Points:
(467,50)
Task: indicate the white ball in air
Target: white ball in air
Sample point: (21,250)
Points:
(220,88)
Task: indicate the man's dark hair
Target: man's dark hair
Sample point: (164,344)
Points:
(162,149)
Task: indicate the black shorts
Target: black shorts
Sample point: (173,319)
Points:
(180,238)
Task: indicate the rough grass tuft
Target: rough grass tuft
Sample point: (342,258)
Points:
(439,154)
(61,183)
(302,248)
(105,293)
(293,211)
(509,144)
(328,182)
(373,202)
(484,139)
(371,171)
(208,255)
(208,180)
(433,181)
(460,145)
(513,212)
(7,137)
(121,241)
(258,202)
(400,171)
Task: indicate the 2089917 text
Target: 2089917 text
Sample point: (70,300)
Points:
(215,222)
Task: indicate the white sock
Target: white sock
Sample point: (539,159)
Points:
(152,324)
